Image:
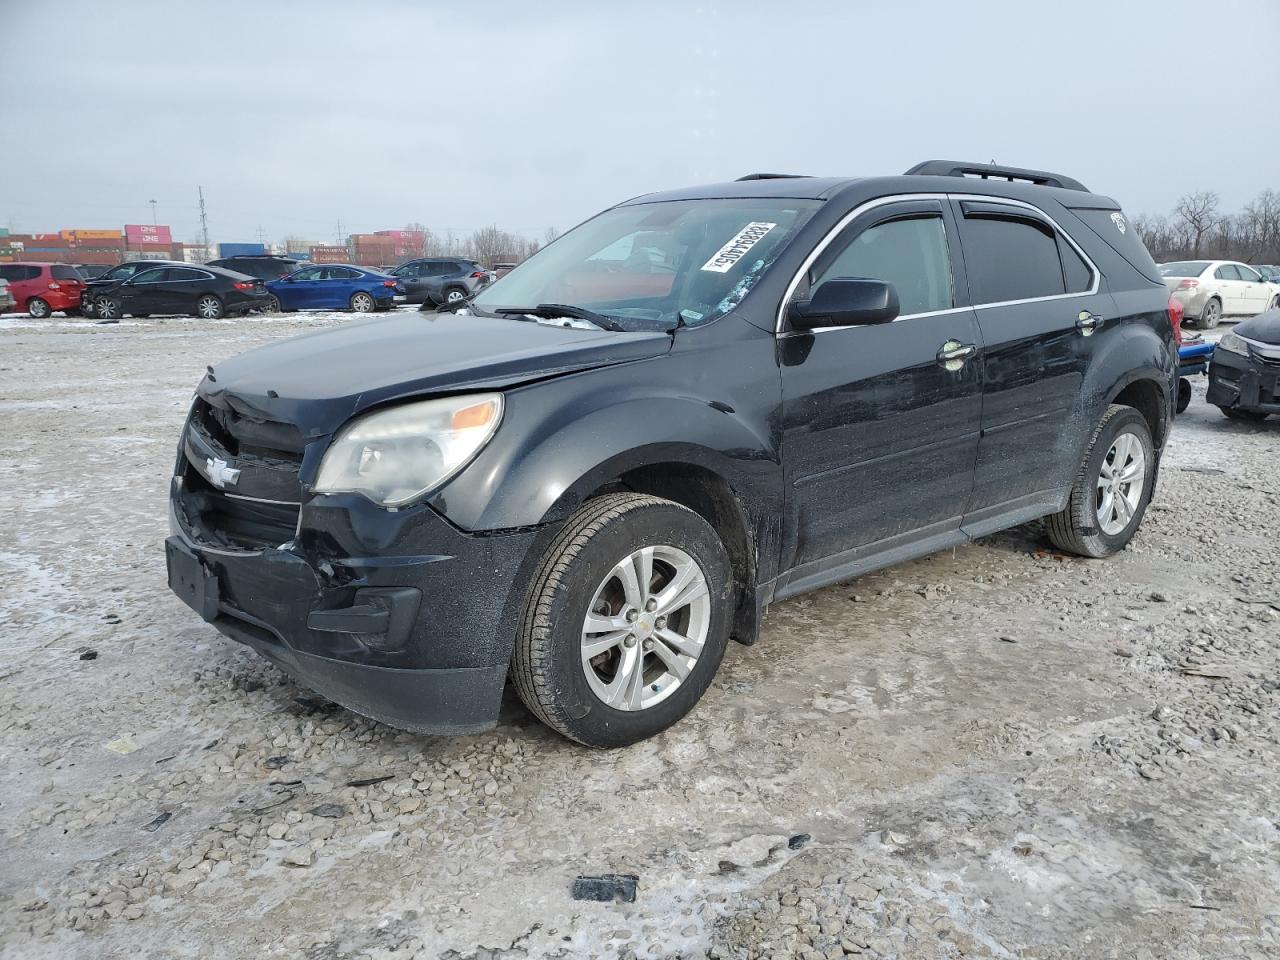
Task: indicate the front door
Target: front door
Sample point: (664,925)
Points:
(1042,314)
(1257,295)
(880,428)
(144,293)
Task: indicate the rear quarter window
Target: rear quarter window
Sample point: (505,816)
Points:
(1114,228)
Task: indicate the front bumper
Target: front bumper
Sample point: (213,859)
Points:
(1244,383)
(395,615)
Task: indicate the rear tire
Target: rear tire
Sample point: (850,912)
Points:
(38,308)
(455,295)
(591,578)
(1105,509)
(361,302)
(1184,395)
(1249,416)
(209,307)
(1210,315)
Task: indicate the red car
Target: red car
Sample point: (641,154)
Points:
(42,288)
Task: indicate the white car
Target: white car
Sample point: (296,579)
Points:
(1212,289)
(7,303)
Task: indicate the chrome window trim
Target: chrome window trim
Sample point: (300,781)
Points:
(907,198)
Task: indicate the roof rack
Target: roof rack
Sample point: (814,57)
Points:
(773,176)
(992,171)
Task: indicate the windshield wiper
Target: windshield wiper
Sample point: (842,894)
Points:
(552,310)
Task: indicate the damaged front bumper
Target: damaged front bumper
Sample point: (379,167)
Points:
(1244,383)
(396,615)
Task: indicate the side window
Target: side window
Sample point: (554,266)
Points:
(309,273)
(19,272)
(1074,270)
(1226,272)
(910,253)
(1011,259)
(340,273)
(1248,273)
(150,276)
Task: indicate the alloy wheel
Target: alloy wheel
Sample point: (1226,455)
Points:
(38,309)
(105,309)
(1121,480)
(645,628)
(455,296)
(362,303)
(210,308)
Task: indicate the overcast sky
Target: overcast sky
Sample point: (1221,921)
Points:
(292,115)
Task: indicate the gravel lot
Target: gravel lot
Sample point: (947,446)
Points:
(992,752)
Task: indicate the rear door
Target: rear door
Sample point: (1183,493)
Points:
(181,288)
(338,285)
(880,431)
(1256,294)
(1040,309)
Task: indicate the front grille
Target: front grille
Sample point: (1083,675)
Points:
(259,507)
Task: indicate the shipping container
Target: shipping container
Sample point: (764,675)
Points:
(136,233)
(241,249)
(329,254)
(80,236)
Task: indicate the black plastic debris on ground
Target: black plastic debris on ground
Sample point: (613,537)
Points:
(158,822)
(89,655)
(331,810)
(370,781)
(275,763)
(607,888)
(798,841)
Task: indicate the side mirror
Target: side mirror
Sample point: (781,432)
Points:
(845,302)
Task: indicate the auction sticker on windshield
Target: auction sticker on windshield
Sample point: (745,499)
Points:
(733,251)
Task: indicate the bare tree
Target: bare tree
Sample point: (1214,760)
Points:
(1199,213)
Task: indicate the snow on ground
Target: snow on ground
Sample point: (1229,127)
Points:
(992,752)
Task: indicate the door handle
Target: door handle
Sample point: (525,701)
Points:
(1087,322)
(953,354)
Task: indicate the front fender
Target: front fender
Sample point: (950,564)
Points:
(550,455)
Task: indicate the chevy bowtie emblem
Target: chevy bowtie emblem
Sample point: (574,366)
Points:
(219,474)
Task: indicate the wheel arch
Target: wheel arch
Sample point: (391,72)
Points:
(1150,398)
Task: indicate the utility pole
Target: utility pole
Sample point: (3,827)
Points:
(204,224)
(342,237)
(154,221)
(262,235)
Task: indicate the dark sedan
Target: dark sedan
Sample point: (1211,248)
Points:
(1244,375)
(200,291)
(115,276)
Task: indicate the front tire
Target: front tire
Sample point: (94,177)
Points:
(1210,315)
(107,310)
(209,307)
(1111,490)
(361,302)
(39,309)
(606,658)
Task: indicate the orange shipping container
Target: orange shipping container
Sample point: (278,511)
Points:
(82,235)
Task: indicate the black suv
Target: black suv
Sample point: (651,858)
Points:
(434,280)
(695,404)
(262,266)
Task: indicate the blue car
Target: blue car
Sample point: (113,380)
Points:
(335,287)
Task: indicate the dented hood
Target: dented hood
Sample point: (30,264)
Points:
(319,380)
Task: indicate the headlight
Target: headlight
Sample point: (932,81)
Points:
(396,455)
(1233,343)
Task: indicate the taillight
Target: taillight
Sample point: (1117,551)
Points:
(1188,284)
(53,285)
(389,283)
(1176,311)
(479,275)
(244,286)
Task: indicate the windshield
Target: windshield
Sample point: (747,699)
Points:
(1183,268)
(648,266)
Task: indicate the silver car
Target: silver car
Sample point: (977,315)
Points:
(1212,289)
(7,302)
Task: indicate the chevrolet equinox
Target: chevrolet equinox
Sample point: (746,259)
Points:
(611,461)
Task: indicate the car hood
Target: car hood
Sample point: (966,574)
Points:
(1264,328)
(319,380)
